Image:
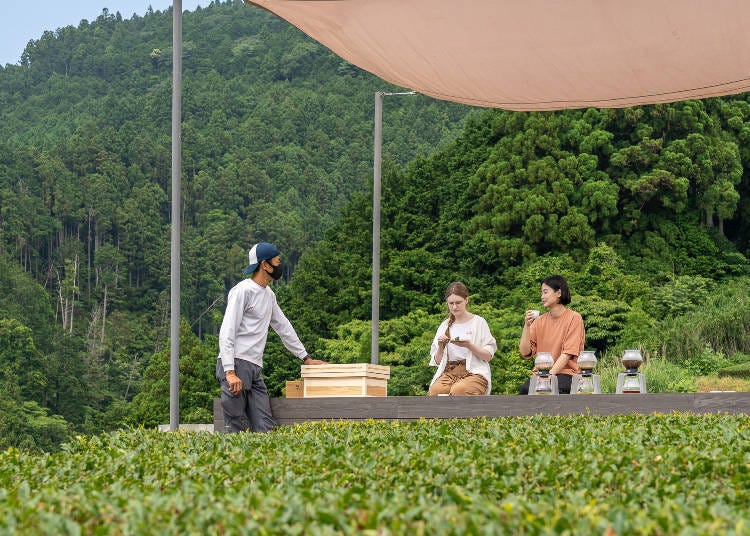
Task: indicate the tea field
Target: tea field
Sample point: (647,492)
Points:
(658,474)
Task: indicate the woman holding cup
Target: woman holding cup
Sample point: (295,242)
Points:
(559,331)
(461,349)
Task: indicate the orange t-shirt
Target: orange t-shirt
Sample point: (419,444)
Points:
(562,335)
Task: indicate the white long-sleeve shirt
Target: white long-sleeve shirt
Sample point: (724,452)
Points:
(251,309)
(480,336)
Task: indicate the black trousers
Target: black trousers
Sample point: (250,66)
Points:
(563,385)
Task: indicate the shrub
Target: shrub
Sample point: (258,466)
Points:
(605,320)
(683,294)
(738,358)
(741,370)
(722,323)
(706,363)
(29,426)
(662,376)
(509,371)
(197,383)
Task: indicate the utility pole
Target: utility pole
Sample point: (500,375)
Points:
(376,189)
(174,325)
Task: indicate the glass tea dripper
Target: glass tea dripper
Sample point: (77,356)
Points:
(543,383)
(586,383)
(631,381)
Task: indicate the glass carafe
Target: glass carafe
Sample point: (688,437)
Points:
(587,362)
(543,363)
(631,381)
(632,384)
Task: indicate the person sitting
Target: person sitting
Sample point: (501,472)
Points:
(560,331)
(461,349)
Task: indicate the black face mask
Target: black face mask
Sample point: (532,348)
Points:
(277,272)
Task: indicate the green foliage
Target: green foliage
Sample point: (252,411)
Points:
(640,331)
(604,320)
(26,425)
(509,371)
(706,363)
(21,364)
(722,323)
(677,297)
(349,344)
(277,139)
(739,357)
(502,476)
(25,300)
(740,370)
(662,376)
(197,383)
(644,210)
(606,274)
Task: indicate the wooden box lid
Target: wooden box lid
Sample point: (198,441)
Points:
(342,370)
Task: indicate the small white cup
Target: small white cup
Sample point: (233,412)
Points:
(534,314)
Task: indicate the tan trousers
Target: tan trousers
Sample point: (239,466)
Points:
(457,381)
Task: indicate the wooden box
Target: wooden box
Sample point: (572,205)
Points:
(294,389)
(350,379)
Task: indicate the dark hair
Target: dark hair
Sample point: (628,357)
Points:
(459,289)
(557,282)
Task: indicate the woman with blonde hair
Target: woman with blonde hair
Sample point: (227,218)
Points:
(461,349)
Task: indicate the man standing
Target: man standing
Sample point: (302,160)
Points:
(251,308)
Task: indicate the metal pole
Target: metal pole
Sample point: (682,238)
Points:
(376,228)
(174,368)
(374,349)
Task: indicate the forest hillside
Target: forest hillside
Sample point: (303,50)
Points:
(645,210)
(277,138)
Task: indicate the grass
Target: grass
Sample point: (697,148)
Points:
(714,383)
(662,376)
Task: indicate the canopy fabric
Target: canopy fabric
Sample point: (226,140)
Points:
(538,54)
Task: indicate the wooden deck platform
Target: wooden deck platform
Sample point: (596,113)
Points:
(295,410)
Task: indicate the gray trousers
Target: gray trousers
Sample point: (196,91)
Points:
(251,408)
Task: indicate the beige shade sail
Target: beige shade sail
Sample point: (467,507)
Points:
(538,54)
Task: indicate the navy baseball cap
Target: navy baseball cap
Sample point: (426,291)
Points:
(262,251)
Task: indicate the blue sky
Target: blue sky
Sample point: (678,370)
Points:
(22,21)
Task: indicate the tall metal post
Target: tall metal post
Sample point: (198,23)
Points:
(374,350)
(174,325)
(376,228)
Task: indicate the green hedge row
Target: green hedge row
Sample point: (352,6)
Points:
(659,474)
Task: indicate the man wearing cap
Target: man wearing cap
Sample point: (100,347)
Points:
(251,309)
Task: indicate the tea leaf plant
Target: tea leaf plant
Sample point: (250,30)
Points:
(658,474)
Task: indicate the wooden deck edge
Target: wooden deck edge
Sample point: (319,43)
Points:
(408,408)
